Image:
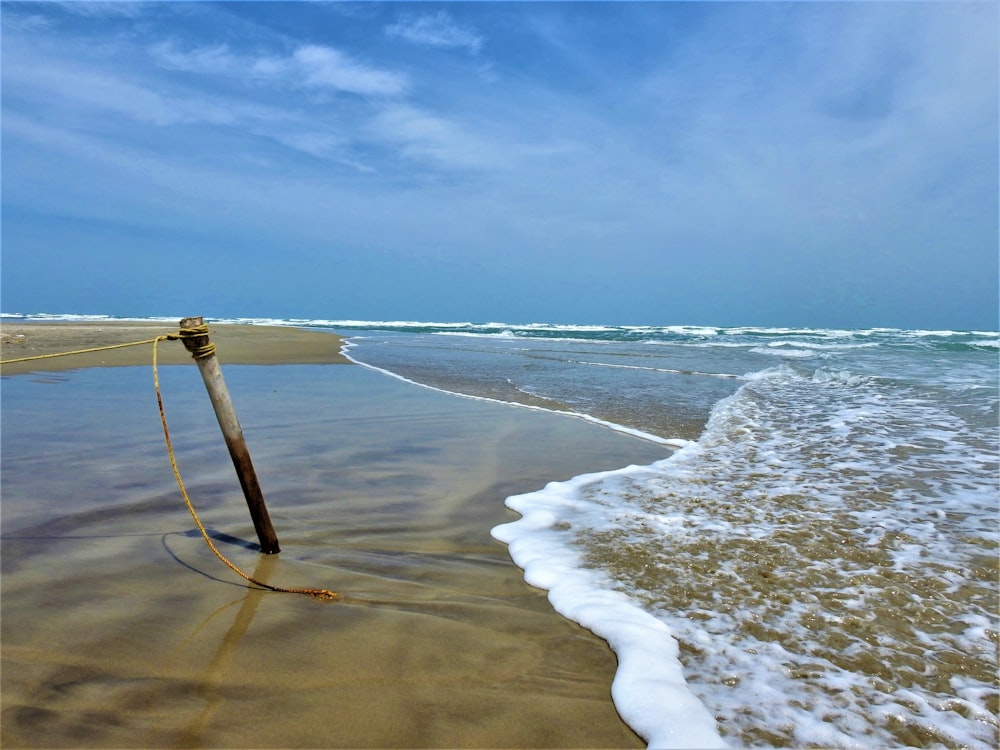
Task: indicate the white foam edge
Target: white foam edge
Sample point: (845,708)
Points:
(649,689)
(647,436)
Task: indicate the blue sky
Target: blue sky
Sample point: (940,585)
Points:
(788,164)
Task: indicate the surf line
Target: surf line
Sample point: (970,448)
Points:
(614,427)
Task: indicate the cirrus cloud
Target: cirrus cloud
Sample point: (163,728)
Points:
(436,30)
(325,66)
(311,65)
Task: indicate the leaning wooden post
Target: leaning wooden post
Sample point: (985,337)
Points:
(194,334)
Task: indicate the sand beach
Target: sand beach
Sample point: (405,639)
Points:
(120,629)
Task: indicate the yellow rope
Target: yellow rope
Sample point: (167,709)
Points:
(318,593)
(88,351)
(197,352)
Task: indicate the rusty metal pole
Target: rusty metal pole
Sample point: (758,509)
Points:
(204,356)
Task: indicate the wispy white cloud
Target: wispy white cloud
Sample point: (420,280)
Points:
(390,122)
(312,66)
(325,66)
(104,8)
(24,22)
(214,60)
(117,105)
(80,89)
(436,30)
(439,141)
(423,136)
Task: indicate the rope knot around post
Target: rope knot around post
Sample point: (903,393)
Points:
(195,339)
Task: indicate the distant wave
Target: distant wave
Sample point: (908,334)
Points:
(712,335)
(656,369)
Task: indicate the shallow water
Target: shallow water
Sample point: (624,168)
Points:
(120,629)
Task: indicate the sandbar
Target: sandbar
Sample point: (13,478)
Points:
(235,345)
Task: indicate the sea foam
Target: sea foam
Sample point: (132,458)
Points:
(649,689)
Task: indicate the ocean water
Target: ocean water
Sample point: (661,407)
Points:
(816,564)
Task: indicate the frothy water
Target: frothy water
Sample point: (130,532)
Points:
(828,586)
(824,553)
(816,566)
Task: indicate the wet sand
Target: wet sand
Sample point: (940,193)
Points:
(120,629)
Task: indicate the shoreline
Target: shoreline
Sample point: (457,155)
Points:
(380,490)
(236,344)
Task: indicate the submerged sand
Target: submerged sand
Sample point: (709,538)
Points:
(120,629)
